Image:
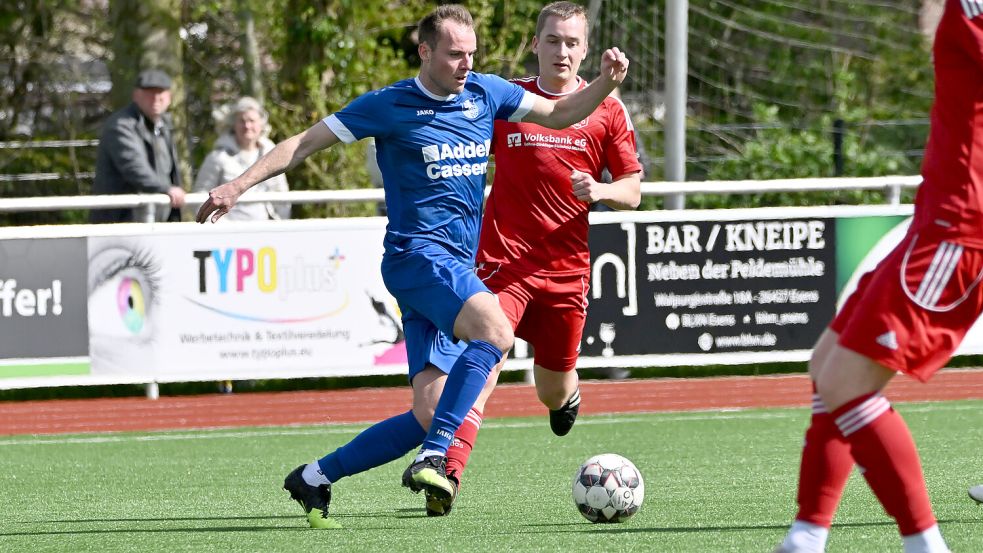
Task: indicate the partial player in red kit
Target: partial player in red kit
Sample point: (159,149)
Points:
(907,315)
(533,249)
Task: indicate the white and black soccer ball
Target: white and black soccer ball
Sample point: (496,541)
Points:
(608,488)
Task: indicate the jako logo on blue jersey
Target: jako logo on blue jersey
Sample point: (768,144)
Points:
(434,154)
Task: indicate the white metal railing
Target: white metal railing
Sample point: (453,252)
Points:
(891,185)
(32,144)
(33,177)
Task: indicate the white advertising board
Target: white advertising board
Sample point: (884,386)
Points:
(242,304)
(291,299)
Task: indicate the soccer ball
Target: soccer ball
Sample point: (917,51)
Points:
(608,488)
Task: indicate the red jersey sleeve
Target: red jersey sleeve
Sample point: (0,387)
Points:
(951,195)
(969,28)
(620,149)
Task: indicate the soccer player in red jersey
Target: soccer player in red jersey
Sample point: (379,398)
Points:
(907,315)
(533,248)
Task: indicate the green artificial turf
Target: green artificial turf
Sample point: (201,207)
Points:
(715,481)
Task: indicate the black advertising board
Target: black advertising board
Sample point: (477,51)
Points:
(709,287)
(43,289)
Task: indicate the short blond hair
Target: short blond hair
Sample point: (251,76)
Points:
(563,10)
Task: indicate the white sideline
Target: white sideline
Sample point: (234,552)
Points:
(348,428)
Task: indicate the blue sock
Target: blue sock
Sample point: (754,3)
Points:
(464,384)
(378,444)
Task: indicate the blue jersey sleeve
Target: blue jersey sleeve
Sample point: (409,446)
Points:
(512,102)
(367,115)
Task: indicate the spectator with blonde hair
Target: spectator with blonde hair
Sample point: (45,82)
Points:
(242,128)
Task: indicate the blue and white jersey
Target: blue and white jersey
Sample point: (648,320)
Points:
(433,154)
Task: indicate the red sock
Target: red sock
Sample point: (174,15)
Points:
(881,444)
(460,450)
(825,468)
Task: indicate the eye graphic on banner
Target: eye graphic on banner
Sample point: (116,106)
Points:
(124,294)
(123,287)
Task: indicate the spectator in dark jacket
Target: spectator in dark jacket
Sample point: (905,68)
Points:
(137,154)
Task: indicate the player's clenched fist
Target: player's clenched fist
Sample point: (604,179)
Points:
(614,64)
(585,188)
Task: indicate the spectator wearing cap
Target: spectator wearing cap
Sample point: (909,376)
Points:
(137,153)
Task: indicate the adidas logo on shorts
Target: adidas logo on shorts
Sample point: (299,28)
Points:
(888,339)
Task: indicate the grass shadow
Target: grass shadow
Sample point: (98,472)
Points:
(626,528)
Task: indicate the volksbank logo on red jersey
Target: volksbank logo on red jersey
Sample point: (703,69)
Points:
(544,140)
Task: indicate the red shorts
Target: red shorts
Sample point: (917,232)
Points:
(547,312)
(911,312)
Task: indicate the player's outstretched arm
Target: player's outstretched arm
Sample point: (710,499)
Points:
(560,114)
(285,156)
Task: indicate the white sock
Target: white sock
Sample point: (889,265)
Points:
(424,453)
(927,541)
(313,476)
(574,398)
(805,537)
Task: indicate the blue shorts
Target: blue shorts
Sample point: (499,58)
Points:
(430,285)
(425,345)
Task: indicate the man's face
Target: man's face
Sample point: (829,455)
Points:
(561,47)
(153,102)
(446,66)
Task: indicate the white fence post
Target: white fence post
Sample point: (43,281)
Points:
(148,212)
(893,194)
(677,21)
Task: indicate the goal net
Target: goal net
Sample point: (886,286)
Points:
(769,79)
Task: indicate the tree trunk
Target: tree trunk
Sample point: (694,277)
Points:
(253,85)
(148,36)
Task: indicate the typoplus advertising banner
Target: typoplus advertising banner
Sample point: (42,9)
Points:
(43,307)
(242,304)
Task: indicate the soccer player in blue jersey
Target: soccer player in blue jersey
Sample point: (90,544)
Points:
(432,134)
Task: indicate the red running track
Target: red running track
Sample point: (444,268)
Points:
(373,404)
